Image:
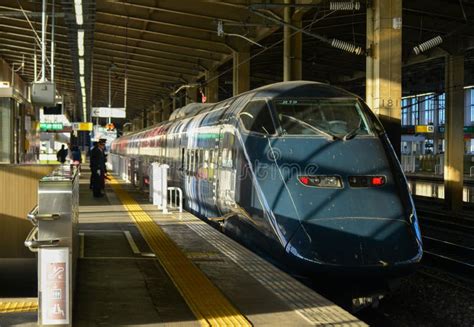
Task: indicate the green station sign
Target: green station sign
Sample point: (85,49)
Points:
(466,129)
(51,126)
(424,129)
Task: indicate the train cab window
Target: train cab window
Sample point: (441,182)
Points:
(338,118)
(256,117)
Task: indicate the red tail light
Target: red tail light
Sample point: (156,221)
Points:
(378,180)
(366,181)
(304,180)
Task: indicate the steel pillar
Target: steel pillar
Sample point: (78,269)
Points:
(454,135)
(145,118)
(287,12)
(212,86)
(191,94)
(292,44)
(297,50)
(241,71)
(165,114)
(384,65)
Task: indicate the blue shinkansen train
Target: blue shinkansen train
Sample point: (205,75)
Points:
(301,170)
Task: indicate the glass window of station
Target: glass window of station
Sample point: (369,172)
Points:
(423,145)
(423,123)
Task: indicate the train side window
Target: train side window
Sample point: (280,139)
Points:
(188,158)
(256,117)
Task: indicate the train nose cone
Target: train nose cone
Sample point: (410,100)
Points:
(355,242)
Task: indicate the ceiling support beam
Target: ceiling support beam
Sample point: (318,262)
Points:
(205,43)
(183,49)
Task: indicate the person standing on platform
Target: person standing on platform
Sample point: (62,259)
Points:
(62,154)
(104,174)
(97,164)
(94,145)
(76,158)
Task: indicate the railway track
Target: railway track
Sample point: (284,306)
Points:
(450,257)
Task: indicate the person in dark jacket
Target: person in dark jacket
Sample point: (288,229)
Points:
(62,154)
(89,154)
(97,164)
(76,157)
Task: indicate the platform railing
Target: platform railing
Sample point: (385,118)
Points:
(54,237)
(159,192)
(175,195)
(408,163)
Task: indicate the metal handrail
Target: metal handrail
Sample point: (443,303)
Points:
(48,216)
(32,241)
(32,235)
(34,245)
(32,215)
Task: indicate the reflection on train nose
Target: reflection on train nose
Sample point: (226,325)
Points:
(436,190)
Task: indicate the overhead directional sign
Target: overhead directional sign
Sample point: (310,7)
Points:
(83,127)
(106,112)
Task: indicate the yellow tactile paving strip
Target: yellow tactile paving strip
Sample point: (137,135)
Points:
(18,306)
(205,300)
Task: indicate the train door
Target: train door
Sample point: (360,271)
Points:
(225,171)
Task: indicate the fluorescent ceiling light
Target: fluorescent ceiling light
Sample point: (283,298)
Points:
(81,66)
(79,20)
(425,94)
(80,42)
(79,14)
(78,10)
(83,82)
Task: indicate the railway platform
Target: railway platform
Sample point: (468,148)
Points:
(140,267)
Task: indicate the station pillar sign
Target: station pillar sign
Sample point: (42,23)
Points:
(82,127)
(424,129)
(51,127)
(55,308)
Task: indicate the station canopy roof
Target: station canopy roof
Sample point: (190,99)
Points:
(161,45)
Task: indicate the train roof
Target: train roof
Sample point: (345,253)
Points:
(189,110)
(301,89)
(292,89)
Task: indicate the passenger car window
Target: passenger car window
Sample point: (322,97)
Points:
(256,117)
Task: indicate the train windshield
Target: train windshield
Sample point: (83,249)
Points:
(336,118)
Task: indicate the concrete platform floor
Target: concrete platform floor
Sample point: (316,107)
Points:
(120,282)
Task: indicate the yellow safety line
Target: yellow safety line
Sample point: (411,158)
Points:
(205,300)
(19,306)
